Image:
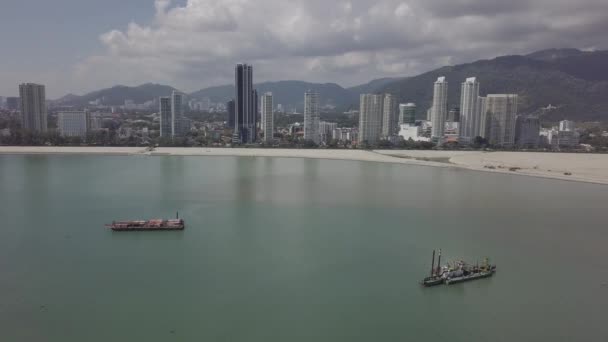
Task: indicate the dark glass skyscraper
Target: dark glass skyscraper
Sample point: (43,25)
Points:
(245,105)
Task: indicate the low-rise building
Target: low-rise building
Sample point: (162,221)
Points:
(95,122)
(182,126)
(73,124)
(345,134)
(412,132)
(326,130)
(527,131)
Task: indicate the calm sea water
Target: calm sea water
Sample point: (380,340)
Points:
(294,250)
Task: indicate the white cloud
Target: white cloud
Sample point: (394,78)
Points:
(196,45)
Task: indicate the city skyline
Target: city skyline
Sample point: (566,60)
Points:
(125,47)
(382,120)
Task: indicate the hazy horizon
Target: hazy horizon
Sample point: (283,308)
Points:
(194,44)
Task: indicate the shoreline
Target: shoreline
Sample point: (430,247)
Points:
(587,168)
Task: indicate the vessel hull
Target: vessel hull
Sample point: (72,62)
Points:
(469,278)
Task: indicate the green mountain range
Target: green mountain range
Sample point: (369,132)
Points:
(117,95)
(573,81)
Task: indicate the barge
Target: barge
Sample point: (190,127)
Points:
(466,272)
(148,225)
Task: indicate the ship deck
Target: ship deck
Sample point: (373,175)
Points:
(150,225)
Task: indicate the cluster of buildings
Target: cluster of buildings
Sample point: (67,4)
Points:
(493,118)
(562,136)
(243,114)
(381,117)
(70,123)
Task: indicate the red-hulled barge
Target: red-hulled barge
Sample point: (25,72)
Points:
(148,225)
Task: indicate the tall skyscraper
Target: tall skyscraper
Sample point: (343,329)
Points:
(177,110)
(267,117)
(502,112)
(73,124)
(311,117)
(482,123)
(469,110)
(256,109)
(245,105)
(389,117)
(440,109)
(407,114)
(527,131)
(165,118)
(33,107)
(231,113)
(370,118)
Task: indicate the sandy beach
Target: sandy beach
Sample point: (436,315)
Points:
(591,168)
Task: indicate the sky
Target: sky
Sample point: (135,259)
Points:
(77,46)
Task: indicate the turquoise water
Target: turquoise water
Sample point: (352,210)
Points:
(294,250)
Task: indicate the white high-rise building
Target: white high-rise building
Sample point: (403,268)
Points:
(482,123)
(177,110)
(389,118)
(440,109)
(469,111)
(311,117)
(165,118)
(267,117)
(370,118)
(502,116)
(73,124)
(33,107)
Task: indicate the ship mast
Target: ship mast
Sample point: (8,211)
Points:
(439,263)
(433,264)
